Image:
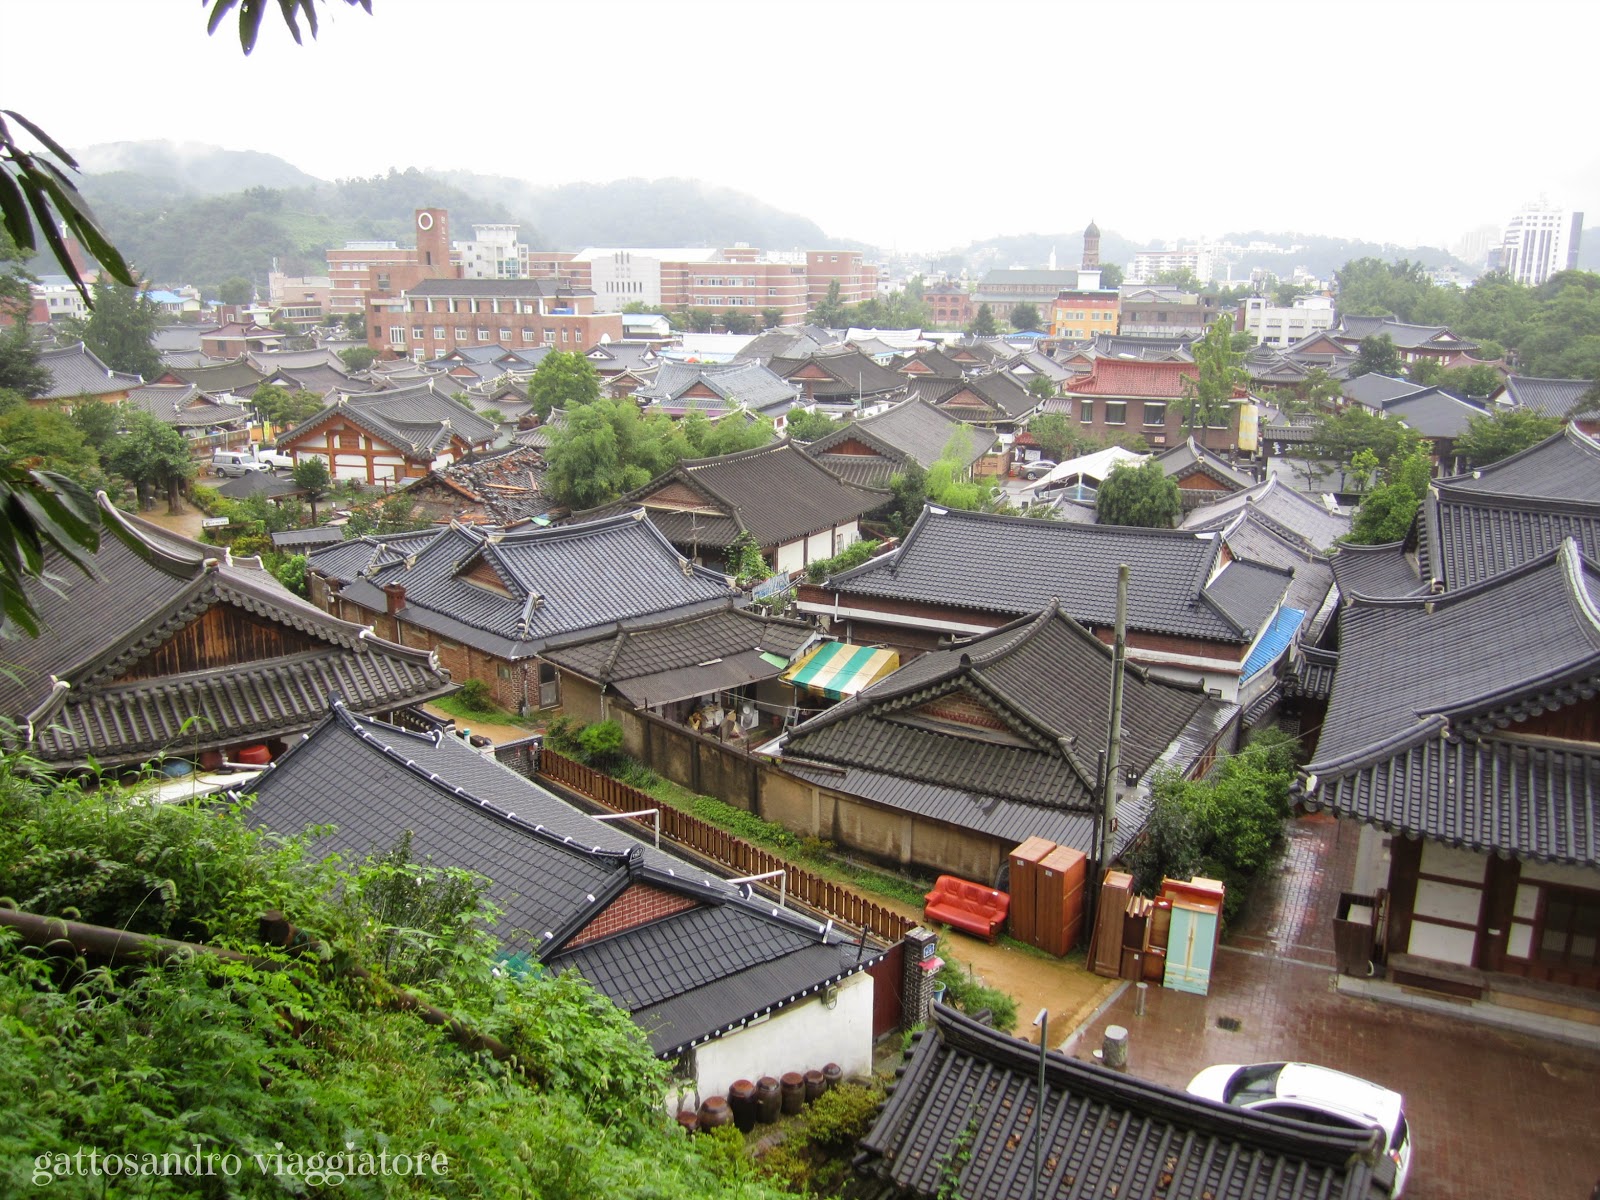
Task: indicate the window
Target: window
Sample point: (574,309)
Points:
(549,337)
(1086,411)
(1155,414)
(438,333)
(461,333)
(1116,412)
(416,331)
(483,334)
(528,335)
(505,335)
(397,335)
(1569,935)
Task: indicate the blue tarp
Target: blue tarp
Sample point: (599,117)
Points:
(1273,642)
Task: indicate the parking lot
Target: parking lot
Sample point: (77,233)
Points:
(1492,1114)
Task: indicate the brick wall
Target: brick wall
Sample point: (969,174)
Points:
(638,905)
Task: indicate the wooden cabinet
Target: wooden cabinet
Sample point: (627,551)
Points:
(1059,899)
(1192,937)
(1024,886)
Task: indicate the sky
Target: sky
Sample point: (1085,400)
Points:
(909,125)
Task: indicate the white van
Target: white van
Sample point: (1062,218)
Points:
(274,460)
(236,463)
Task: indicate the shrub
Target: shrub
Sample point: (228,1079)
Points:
(852,555)
(841,1116)
(477,696)
(600,743)
(963,990)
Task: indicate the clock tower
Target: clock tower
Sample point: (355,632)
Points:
(433,241)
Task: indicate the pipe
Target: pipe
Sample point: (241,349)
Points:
(1119,658)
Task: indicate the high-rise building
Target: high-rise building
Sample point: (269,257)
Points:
(1540,241)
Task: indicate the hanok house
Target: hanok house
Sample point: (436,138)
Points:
(490,602)
(717,670)
(1476,525)
(1122,398)
(491,487)
(840,379)
(996,401)
(1552,397)
(795,509)
(1414,342)
(390,436)
(1463,735)
(205,423)
(1203,476)
(957,757)
(716,391)
(173,648)
(724,983)
(961,1121)
(874,449)
(1193,615)
(76,373)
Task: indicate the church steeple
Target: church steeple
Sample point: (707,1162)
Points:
(1091,247)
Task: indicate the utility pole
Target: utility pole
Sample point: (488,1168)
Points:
(1119,657)
(1043,1022)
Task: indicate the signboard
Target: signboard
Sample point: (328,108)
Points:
(212,522)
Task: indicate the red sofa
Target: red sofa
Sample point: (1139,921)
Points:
(969,906)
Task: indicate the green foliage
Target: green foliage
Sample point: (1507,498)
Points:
(563,379)
(910,488)
(1478,380)
(1181,278)
(40,512)
(1492,437)
(599,743)
(705,439)
(1060,438)
(296,1055)
(807,425)
(1339,437)
(1228,826)
(745,561)
(236,289)
(852,555)
(290,570)
(1209,395)
(358,358)
(1043,387)
(1025,317)
(151,454)
(1378,355)
(45,438)
(1139,495)
(813,1158)
(394,514)
(608,447)
(1387,511)
(311,475)
(1318,388)
(965,991)
(285,409)
(1425,372)
(121,330)
(476,696)
(983,322)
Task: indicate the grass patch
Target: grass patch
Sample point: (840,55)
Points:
(463,712)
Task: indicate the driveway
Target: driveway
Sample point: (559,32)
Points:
(1493,1114)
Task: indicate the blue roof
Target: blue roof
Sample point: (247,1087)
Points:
(1273,642)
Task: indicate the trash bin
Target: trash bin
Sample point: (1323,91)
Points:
(1355,933)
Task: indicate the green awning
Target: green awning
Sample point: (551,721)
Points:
(838,669)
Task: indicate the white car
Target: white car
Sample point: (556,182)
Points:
(1319,1095)
(274,460)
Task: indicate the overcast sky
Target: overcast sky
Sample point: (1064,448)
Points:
(912,125)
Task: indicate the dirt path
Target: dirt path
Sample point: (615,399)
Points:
(187,522)
(495,733)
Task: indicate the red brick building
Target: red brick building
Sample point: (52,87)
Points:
(950,304)
(1123,397)
(364,270)
(857,280)
(439,315)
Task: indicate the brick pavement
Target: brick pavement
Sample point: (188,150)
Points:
(1493,1114)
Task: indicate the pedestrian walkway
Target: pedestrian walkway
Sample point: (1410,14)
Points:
(1493,1113)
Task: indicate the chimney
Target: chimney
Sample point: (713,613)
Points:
(395,594)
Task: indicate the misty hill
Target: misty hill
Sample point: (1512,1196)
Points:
(193,167)
(201,214)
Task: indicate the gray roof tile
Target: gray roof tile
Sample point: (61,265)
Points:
(1552,397)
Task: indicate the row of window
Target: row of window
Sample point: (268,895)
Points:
(1115,412)
(397,335)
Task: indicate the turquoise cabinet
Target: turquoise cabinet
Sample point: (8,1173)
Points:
(1191,946)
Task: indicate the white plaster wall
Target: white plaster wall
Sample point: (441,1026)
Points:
(802,1037)
(1448,901)
(1439,859)
(792,556)
(1372,861)
(350,466)
(1559,873)
(846,535)
(1442,943)
(819,546)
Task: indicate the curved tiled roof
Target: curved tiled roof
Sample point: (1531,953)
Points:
(1015,565)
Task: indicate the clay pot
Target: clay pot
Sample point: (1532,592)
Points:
(833,1074)
(769,1099)
(714,1112)
(815,1085)
(742,1100)
(794,1092)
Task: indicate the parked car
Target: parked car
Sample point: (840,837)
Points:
(1038,468)
(1319,1095)
(236,463)
(274,460)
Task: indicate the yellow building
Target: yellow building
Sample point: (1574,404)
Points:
(1078,316)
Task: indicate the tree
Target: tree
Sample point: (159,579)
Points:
(354,324)
(1025,317)
(1377,356)
(1318,389)
(745,562)
(283,408)
(771,318)
(1043,387)
(830,313)
(593,457)
(1210,393)
(311,476)
(1388,509)
(152,454)
(19,358)
(1181,278)
(734,321)
(1493,437)
(1110,276)
(1144,495)
(236,290)
(1425,372)
(44,438)
(910,488)
(358,358)
(807,425)
(1339,437)
(1058,436)
(1284,294)
(121,330)
(1479,379)
(99,423)
(983,323)
(564,379)
(733,433)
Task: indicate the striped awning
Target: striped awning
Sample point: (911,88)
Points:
(838,669)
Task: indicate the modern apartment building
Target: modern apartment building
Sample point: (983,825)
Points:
(1539,242)
(364,270)
(439,315)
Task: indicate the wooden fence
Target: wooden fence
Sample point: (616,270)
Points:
(706,839)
